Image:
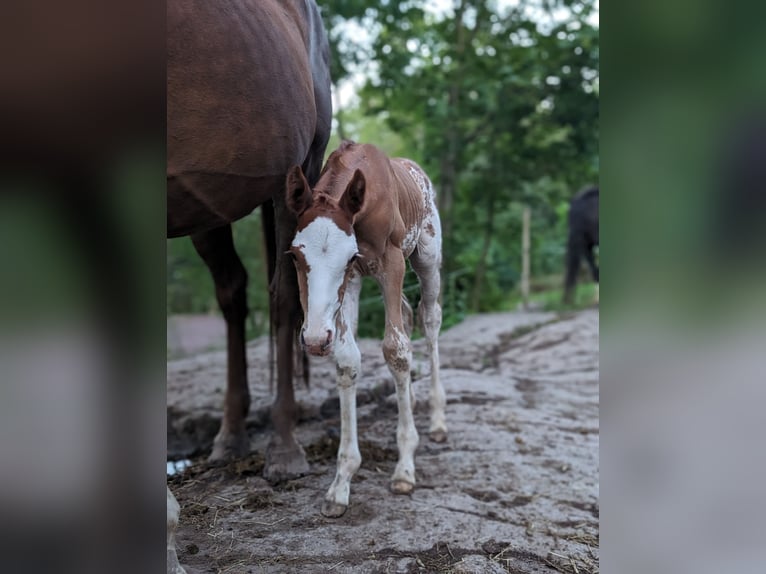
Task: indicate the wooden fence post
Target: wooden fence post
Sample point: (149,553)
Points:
(525,257)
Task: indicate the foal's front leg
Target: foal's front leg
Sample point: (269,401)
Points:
(348,360)
(397,351)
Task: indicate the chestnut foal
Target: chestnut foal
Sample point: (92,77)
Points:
(366,216)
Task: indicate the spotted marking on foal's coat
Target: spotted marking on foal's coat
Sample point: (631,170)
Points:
(410,240)
(427,193)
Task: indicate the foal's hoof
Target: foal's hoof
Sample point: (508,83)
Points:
(438,436)
(284,463)
(333,509)
(402,487)
(230,446)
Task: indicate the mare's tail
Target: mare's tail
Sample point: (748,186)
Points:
(268,221)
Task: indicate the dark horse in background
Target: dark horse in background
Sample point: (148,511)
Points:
(583,238)
(248,97)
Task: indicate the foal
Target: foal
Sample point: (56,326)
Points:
(365,216)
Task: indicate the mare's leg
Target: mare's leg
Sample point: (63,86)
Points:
(349,365)
(284,456)
(173,567)
(426,261)
(216,247)
(590,258)
(574,252)
(397,351)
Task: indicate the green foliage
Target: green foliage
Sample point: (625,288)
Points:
(501,109)
(551,299)
(190,287)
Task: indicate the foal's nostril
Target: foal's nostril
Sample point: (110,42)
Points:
(328,341)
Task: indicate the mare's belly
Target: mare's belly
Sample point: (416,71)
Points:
(200,202)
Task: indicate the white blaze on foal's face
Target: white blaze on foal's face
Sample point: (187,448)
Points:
(323,250)
(327,251)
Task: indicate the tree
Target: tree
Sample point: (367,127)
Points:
(495,104)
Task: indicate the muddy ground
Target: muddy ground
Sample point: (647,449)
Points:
(514,489)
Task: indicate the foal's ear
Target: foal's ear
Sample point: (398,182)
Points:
(298,191)
(353,197)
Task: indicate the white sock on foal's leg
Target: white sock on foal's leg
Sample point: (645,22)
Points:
(349,459)
(437,430)
(349,366)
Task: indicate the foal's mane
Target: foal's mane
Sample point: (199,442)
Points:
(337,163)
(324,202)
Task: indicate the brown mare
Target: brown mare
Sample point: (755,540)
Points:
(366,216)
(248,96)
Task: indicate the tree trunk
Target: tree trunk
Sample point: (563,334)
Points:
(481,268)
(525,257)
(449,161)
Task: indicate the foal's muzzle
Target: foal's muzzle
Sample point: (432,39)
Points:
(317,346)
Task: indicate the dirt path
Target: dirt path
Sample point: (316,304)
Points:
(514,489)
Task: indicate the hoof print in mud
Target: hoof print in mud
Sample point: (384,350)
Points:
(402,487)
(333,509)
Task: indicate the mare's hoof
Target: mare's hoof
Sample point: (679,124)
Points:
(402,487)
(333,509)
(438,436)
(230,446)
(284,463)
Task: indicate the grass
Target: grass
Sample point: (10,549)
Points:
(546,294)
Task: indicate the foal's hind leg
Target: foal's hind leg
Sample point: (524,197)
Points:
(216,247)
(426,261)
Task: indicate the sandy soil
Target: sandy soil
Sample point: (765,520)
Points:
(192,334)
(514,489)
